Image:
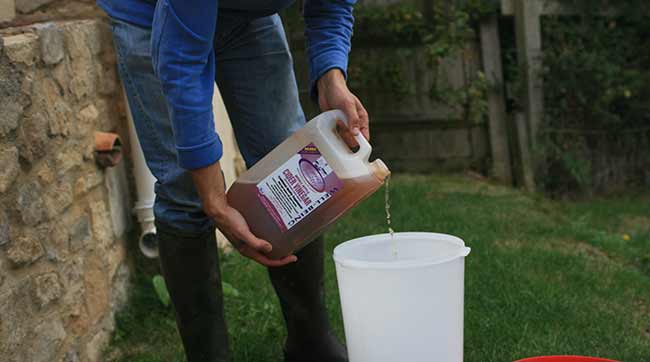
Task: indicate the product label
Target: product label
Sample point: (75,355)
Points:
(298,187)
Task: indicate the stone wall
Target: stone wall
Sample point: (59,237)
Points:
(63,269)
(22,12)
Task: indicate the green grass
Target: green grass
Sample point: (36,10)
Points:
(544,277)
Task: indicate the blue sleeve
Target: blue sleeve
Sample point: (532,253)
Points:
(328,29)
(183,59)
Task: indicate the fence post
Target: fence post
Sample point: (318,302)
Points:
(527,167)
(491,52)
(529,50)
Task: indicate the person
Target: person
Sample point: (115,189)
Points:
(170,53)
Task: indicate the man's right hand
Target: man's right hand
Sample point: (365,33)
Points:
(211,188)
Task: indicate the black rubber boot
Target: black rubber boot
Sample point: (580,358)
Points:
(301,292)
(190,266)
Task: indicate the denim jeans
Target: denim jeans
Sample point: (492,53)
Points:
(254,72)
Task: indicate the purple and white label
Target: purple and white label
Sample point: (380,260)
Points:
(298,187)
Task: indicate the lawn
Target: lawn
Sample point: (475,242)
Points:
(544,277)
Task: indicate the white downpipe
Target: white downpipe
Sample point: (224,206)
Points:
(144,182)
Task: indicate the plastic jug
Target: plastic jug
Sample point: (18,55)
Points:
(305,184)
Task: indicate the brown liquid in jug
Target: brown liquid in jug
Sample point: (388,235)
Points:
(243,197)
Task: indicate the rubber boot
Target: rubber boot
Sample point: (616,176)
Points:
(301,292)
(190,266)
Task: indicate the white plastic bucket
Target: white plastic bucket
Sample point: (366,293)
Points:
(407,307)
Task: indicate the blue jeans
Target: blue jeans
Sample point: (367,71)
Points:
(254,72)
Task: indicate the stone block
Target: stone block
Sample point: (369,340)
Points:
(47,341)
(46,289)
(106,120)
(101,224)
(66,234)
(59,197)
(31,203)
(10,85)
(71,157)
(115,257)
(60,119)
(60,115)
(51,253)
(89,114)
(86,121)
(83,72)
(75,39)
(10,167)
(71,356)
(25,250)
(61,73)
(7,11)
(107,78)
(32,137)
(52,45)
(89,152)
(87,181)
(76,316)
(5,228)
(96,345)
(10,113)
(72,275)
(16,322)
(28,6)
(80,234)
(3,273)
(22,48)
(120,286)
(58,239)
(91,37)
(82,82)
(97,288)
(27,85)
(44,173)
(77,321)
(92,31)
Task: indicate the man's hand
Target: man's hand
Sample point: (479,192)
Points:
(333,93)
(212,190)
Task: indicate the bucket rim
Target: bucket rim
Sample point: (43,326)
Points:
(566,358)
(463,251)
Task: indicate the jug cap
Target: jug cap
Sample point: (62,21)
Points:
(380,169)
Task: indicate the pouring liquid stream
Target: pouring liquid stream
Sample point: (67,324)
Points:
(387,207)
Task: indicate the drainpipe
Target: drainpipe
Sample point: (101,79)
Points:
(144,182)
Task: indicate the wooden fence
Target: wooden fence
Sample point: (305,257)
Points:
(411,131)
(528,29)
(416,134)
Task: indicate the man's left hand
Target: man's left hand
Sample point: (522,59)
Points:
(333,93)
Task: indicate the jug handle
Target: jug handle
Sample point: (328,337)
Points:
(365,149)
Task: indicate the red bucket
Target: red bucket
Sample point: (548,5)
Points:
(565,359)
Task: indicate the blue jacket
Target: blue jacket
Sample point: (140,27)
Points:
(183,56)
